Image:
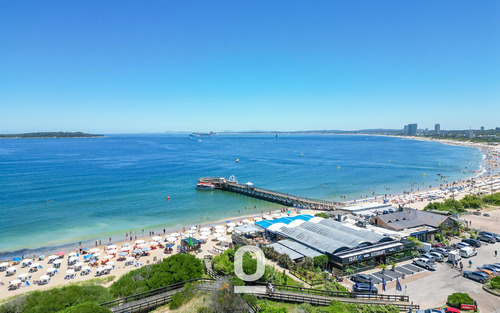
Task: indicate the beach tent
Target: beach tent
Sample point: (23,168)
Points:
(44,279)
(26,262)
(22,276)
(11,271)
(51,271)
(15,284)
(78,266)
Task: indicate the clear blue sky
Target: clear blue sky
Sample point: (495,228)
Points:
(152,66)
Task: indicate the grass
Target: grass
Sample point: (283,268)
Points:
(200,300)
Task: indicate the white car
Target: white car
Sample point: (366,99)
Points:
(425,263)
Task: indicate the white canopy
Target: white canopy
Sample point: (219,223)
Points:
(11,269)
(52,269)
(108,267)
(57,261)
(219,226)
(35,265)
(22,275)
(130,259)
(111,263)
(220,231)
(112,251)
(141,246)
(194,227)
(153,243)
(175,234)
(204,229)
(44,277)
(222,239)
(15,282)
(71,254)
(202,237)
(231,224)
(73,259)
(70,271)
(157,238)
(4,264)
(190,231)
(140,241)
(171,239)
(86,268)
(26,261)
(125,249)
(78,264)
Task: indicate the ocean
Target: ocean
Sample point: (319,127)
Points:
(64,191)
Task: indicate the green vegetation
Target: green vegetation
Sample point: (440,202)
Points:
(50,135)
(493,199)
(321,261)
(417,243)
(60,300)
(177,268)
(322,214)
(495,283)
(334,307)
(448,205)
(86,307)
(467,202)
(454,300)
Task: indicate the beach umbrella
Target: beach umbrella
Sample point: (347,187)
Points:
(26,261)
(40,257)
(140,242)
(146,249)
(220,231)
(157,238)
(170,246)
(52,257)
(94,250)
(203,237)
(110,263)
(112,251)
(51,270)
(191,232)
(73,259)
(15,282)
(130,259)
(78,264)
(72,254)
(109,256)
(137,251)
(16,259)
(126,244)
(70,272)
(86,268)
(194,228)
(125,249)
(171,239)
(204,229)
(96,255)
(108,267)
(247,221)
(123,253)
(175,234)
(12,269)
(57,261)
(288,212)
(230,230)
(44,277)
(142,245)
(231,224)
(61,253)
(111,247)
(35,265)
(22,275)
(222,239)
(219,227)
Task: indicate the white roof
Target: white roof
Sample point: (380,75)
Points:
(276,226)
(316,219)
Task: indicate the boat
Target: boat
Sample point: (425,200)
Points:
(205,186)
(210,134)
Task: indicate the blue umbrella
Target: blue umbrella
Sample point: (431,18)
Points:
(123,254)
(137,251)
(16,259)
(170,246)
(146,249)
(288,212)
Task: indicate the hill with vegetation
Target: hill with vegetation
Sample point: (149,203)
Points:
(49,135)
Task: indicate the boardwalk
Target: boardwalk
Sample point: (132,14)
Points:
(270,195)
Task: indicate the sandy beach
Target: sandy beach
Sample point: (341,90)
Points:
(415,199)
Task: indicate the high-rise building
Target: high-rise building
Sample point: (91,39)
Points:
(412,129)
(482,128)
(405,130)
(469,134)
(437,129)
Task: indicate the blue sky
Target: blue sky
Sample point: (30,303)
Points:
(154,66)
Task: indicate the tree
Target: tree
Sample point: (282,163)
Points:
(321,261)
(455,299)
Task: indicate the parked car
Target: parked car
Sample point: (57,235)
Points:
(491,274)
(476,213)
(460,245)
(428,256)
(488,237)
(442,251)
(473,242)
(438,256)
(467,252)
(437,245)
(430,311)
(486,214)
(364,288)
(488,233)
(360,278)
(450,310)
(477,276)
(492,267)
(425,263)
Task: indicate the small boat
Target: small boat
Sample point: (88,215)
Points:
(205,186)
(237,160)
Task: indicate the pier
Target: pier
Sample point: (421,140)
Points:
(250,190)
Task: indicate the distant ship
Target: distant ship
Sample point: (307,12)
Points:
(205,186)
(210,134)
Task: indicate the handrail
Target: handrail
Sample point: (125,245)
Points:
(153,292)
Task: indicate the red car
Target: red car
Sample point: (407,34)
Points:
(437,245)
(451,310)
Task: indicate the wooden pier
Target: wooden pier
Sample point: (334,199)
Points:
(250,190)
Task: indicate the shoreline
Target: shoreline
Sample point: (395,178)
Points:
(484,149)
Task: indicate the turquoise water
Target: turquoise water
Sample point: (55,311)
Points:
(62,191)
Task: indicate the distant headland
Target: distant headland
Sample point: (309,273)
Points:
(49,135)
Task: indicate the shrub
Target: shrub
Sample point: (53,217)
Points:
(495,282)
(321,261)
(203,310)
(177,268)
(322,214)
(454,300)
(86,307)
(473,202)
(177,300)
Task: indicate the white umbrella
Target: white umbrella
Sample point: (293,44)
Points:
(203,237)
(15,282)
(71,254)
(44,277)
(70,272)
(153,243)
(222,239)
(204,229)
(231,224)
(110,263)
(194,228)
(220,231)
(78,265)
(111,247)
(175,234)
(230,230)
(112,251)
(191,232)
(247,221)
(108,267)
(35,265)
(171,239)
(73,259)
(140,246)
(219,227)
(125,249)
(93,251)
(57,261)
(108,257)
(130,259)
(86,268)
(96,255)
(22,275)
(157,238)
(4,264)
(140,242)
(51,270)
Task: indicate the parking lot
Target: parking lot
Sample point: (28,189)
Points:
(390,275)
(432,289)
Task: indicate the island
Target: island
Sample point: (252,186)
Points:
(50,135)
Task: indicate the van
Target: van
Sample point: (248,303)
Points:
(467,252)
(454,256)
